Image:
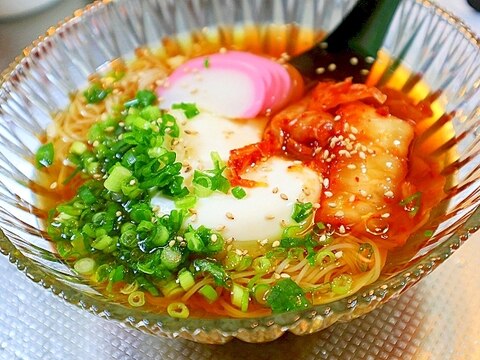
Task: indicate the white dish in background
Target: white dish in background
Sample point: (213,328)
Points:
(14,8)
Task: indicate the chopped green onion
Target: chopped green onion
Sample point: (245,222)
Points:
(325,258)
(178,310)
(78,148)
(320,226)
(209,293)
(136,298)
(85,266)
(87,195)
(102,273)
(240,297)
(143,98)
(171,258)
(342,284)
(171,289)
(301,211)
(145,226)
(186,279)
(428,233)
(129,239)
(194,242)
(103,242)
(151,113)
(129,288)
(369,253)
(159,236)
(147,285)
(411,204)
(216,270)
(260,293)
(190,110)
(206,63)
(95,93)
(245,263)
(116,178)
(117,274)
(286,295)
(232,260)
(239,192)
(187,202)
(262,265)
(45,155)
(64,249)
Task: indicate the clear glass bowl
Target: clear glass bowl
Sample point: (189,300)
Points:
(428,41)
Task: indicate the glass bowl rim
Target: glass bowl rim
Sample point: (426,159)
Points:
(369,297)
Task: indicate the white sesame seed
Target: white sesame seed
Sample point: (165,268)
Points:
(53,185)
(332,204)
(229,216)
(339,254)
(354,130)
(337,118)
(263,242)
(275,190)
(328,194)
(118,213)
(220,228)
(396,142)
(326,182)
(342,229)
(389,194)
(385,215)
(316,206)
(332,67)
(320,70)
(190,132)
(326,153)
(354,61)
(351,166)
(269,217)
(239,252)
(171,243)
(283,196)
(389,164)
(339,213)
(352,198)
(132,182)
(276,243)
(344,153)
(362,155)
(277,276)
(363,193)
(214,237)
(284,276)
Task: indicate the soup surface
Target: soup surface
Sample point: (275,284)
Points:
(210,182)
